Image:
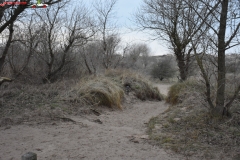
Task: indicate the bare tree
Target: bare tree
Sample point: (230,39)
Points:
(6,47)
(16,12)
(225,35)
(91,57)
(145,56)
(110,57)
(25,40)
(136,52)
(8,16)
(60,33)
(174,22)
(107,29)
(164,68)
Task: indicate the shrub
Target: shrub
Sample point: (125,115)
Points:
(181,89)
(136,83)
(18,98)
(99,91)
(108,90)
(163,69)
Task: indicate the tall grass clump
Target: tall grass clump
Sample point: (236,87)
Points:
(108,89)
(136,83)
(99,91)
(181,90)
(188,127)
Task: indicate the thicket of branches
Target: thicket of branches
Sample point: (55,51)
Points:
(164,68)
(43,45)
(46,44)
(206,29)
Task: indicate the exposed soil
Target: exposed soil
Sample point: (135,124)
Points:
(111,135)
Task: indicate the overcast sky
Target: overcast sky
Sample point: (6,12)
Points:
(124,12)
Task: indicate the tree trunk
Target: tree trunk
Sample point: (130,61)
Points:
(182,66)
(13,17)
(219,109)
(9,41)
(86,63)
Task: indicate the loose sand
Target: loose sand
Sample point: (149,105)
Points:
(114,135)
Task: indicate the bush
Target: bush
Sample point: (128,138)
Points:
(108,90)
(18,99)
(181,89)
(173,93)
(163,69)
(138,84)
(190,129)
(98,91)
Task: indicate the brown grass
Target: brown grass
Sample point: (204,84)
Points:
(28,103)
(139,85)
(24,102)
(189,129)
(99,91)
(181,89)
(108,90)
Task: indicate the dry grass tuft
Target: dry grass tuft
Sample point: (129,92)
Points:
(136,83)
(28,103)
(180,89)
(108,89)
(188,128)
(98,91)
(24,102)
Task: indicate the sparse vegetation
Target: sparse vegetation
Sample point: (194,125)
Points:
(30,103)
(137,83)
(71,98)
(177,92)
(98,91)
(193,132)
(188,128)
(38,51)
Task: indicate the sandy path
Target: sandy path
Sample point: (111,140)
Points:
(164,87)
(113,139)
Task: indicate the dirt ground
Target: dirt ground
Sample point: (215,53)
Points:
(113,135)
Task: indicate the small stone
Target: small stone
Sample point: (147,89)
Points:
(29,156)
(98,121)
(144,137)
(177,119)
(184,108)
(158,126)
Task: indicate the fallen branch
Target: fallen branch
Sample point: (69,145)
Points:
(65,119)
(95,112)
(4,79)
